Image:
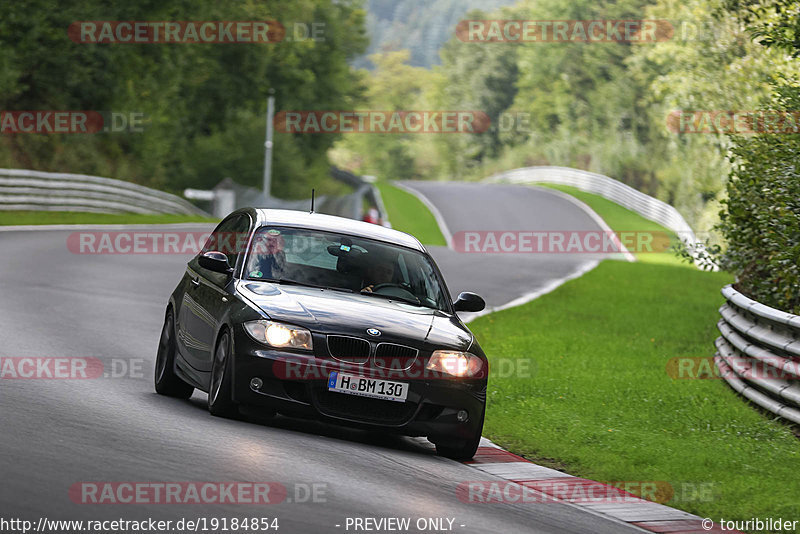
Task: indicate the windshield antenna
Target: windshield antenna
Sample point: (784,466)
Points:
(312,200)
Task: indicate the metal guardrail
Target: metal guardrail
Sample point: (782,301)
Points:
(758,353)
(229,195)
(648,207)
(374,195)
(22,189)
(364,191)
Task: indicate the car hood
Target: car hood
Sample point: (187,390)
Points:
(329,311)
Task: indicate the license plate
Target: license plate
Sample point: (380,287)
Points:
(368,387)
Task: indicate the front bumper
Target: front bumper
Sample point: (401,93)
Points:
(299,388)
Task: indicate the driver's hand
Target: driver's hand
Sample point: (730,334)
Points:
(368,289)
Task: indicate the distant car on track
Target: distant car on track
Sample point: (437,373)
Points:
(317,316)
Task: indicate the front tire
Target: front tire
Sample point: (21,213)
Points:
(220,390)
(464,450)
(165,380)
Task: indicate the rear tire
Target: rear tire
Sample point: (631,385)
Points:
(165,380)
(220,390)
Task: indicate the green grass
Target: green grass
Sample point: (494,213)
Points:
(408,214)
(598,402)
(72,217)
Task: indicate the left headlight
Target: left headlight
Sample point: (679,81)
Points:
(279,335)
(455,363)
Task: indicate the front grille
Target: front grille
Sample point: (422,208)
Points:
(363,408)
(348,349)
(395,357)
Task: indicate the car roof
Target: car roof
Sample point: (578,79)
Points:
(319,221)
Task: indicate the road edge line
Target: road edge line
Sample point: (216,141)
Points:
(437,215)
(533,295)
(591,213)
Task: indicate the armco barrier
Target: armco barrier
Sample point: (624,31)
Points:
(648,207)
(22,189)
(755,336)
(350,205)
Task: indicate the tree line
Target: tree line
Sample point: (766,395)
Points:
(199,108)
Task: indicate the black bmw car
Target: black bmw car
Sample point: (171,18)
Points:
(311,315)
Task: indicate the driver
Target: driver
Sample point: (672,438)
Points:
(268,259)
(379,272)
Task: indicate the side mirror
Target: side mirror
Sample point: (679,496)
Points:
(469,302)
(215,261)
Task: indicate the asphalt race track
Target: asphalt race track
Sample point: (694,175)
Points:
(57,433)
(503,277)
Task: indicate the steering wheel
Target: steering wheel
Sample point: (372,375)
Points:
(405,290)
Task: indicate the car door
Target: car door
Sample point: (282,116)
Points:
(207,295)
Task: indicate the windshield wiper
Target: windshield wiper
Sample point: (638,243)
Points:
(288,281)
(391,297)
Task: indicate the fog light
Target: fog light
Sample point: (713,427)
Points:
(256,383)
(462,416)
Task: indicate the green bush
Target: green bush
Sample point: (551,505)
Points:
(761,217)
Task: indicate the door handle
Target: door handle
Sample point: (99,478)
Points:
(195,282)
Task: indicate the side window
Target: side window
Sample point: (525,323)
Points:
(230,237)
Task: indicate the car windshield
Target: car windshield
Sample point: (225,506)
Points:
(326,259)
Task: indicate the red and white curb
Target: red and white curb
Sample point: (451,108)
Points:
(646,515)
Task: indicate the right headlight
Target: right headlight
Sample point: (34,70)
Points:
(455,363)
(279,335)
